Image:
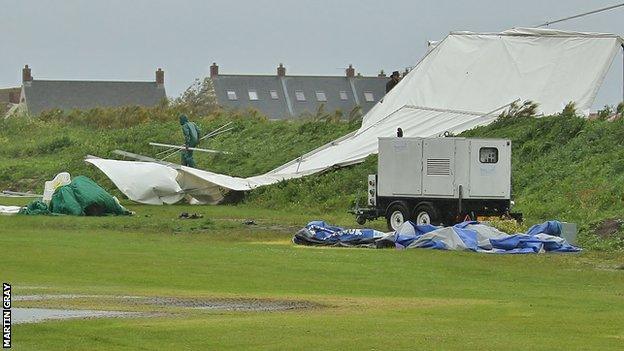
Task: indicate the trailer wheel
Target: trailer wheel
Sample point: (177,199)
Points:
(425,213)
(360,220)
(396,215)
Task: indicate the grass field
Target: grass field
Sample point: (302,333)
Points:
(367,299)
(564,167)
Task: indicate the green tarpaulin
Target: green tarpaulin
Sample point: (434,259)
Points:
(81,197)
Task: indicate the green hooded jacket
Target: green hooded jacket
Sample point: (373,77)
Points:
(191,131)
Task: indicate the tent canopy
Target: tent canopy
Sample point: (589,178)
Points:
(462,83)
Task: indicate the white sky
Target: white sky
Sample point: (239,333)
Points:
(128,40)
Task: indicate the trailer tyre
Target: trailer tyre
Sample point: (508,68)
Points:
(397,214)
(360,220)
(425,214)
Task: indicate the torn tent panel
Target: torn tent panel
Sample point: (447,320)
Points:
(476,73)
(144,182)
(228,182)
(457,86)
(202,191)
(482,71)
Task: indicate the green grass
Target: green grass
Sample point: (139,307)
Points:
(372,299)
(564,167)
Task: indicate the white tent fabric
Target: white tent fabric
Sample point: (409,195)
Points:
(479,72)
(145,182)
(459,84)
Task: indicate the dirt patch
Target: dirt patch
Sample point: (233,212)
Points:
(608,228)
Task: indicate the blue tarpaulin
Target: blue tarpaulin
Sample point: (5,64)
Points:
(466,236)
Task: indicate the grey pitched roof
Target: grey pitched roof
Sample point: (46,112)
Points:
(242,84)
(287,105)
(42,95)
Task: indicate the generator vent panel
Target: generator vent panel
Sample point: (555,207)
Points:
(438,167)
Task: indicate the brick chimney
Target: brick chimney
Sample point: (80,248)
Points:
(381,74)
(26,74)
(214,70)
(160,77)
(350,71)
(281,70)
(14,97)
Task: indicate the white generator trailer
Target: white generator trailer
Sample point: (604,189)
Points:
(439,181)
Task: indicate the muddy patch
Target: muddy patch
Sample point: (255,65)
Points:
(44,297)
(38,315)
(156,305)
(234,304)
(609,228)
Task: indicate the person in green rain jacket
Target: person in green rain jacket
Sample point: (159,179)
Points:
(191,139)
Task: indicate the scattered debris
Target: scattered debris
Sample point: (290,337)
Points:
(186,215)
(9,193)
(181,147)
(9,210)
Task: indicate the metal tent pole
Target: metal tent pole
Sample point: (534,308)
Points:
(581,15)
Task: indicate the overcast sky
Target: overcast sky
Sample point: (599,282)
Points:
(128,40)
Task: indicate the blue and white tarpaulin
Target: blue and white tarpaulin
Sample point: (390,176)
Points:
(466,236)
(319,233)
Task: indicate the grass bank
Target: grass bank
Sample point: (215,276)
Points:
(564,167)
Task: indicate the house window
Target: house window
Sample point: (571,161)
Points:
(253,95)
(274,94)
(343,96)
(368,96)
(320,96)
(299,95)
(231,95)
(488,155)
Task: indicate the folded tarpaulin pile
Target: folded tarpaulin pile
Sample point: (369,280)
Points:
(81,197)
(466,236)
(319,233)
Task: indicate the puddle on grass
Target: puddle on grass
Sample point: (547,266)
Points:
(38,315)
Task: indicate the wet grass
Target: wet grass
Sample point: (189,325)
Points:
(372,299)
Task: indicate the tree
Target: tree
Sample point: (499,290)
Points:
(199,99)
(515,110)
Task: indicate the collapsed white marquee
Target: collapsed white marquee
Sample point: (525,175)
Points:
(462,83)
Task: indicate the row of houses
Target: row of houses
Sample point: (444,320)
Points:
(278,96)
